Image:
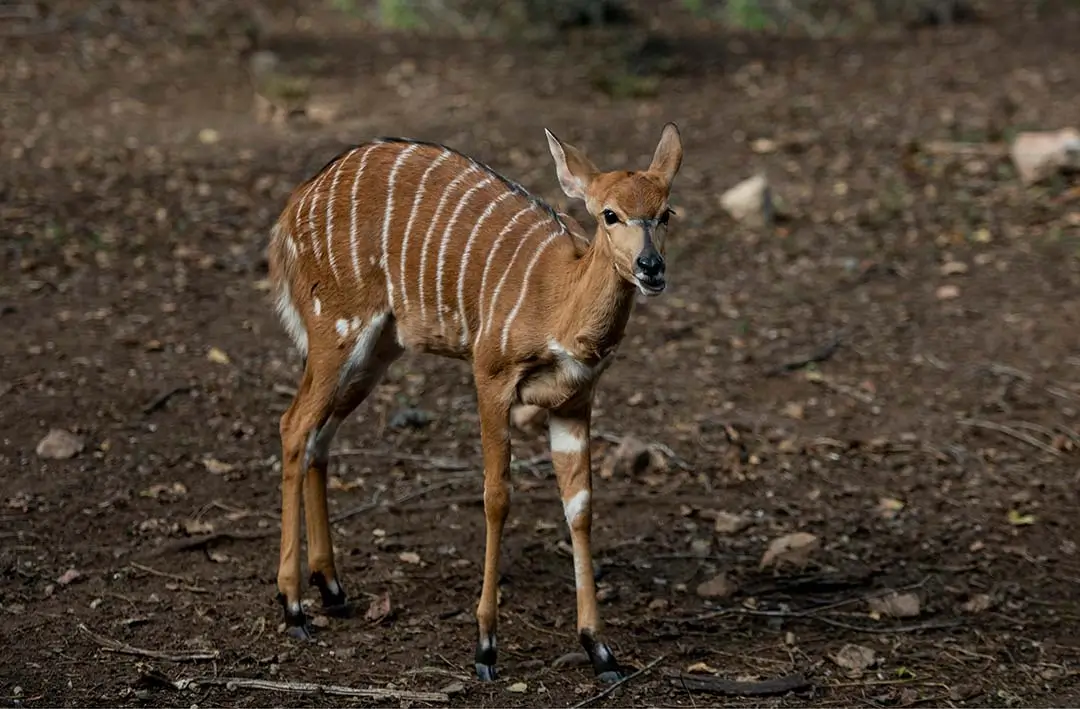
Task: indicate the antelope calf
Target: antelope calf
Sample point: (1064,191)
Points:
(402,245)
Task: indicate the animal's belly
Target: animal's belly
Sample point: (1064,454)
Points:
(560,384)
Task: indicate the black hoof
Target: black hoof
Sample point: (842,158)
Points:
(485,659)
(296,624)
(605,666)
(334,602)
(486,673)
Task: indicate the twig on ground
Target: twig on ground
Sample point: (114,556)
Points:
(652,445)
(732,688)
(204,540)
(189,584)
(1009,431)
(446,464)
(111,645)
(616,685)
(822,354)
(313,688)
(161,399)
(375,503)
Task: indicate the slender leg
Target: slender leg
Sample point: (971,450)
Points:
(494,405)
(320,546)
(569,434)
(299,431)
(375,349)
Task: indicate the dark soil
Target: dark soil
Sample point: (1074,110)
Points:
(933,450)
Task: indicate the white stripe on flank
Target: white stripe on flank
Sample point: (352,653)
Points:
(389,209)
(352,212)
(421,278)
(564,438)
(441,267)
(311,212)
(487,267)
(525,286)
(330,219)
(408,226)
(464,265)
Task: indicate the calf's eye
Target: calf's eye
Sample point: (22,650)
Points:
(610,217)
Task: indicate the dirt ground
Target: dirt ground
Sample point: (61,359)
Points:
(931,451)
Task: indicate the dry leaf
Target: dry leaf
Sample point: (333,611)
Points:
(897,605)
(209,136)
(218,557)
(69,577)
(632,457)
(379,608)
(1018,520)
(954,268)
(702,668)
(518,688)
(217,467)
(749,201)
(217,355)
(409,557)
(854,658)
(717,587)
(728,523)
(889,507)
(792,549)
(794,410)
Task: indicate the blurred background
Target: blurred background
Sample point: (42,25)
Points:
(842,445)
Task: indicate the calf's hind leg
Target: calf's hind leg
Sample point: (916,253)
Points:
(334,383)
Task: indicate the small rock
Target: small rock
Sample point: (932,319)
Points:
(954,268)
(631,457)
(69,577)
(897,605)
(700,547)
(518,687)
(749,201)
(59,444)
(209,136)
(718,587)
(658,604)
(217,467)
(702,668)
(217,356)
(320,621)
(1038,155)
(947,292)
(978,603)
(409,557)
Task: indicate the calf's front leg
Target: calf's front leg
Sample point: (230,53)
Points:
(570,456)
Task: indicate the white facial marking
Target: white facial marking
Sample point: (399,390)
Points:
(317,307)
(342,327)
(420,190)
(441,264)
(314,191)
(388,214)
(464,265)
(353,226)
(422,277)
(565,438)
(576,506)
(525,287)
(487,267)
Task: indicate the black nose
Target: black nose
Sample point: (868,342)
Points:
(650,264)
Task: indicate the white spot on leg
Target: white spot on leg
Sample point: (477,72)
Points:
(576,506)
(294,608)
(565,438)
(333,587)
(342,327)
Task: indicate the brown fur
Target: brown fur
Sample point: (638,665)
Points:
(362,272)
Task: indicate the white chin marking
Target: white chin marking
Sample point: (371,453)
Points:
(575,506)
